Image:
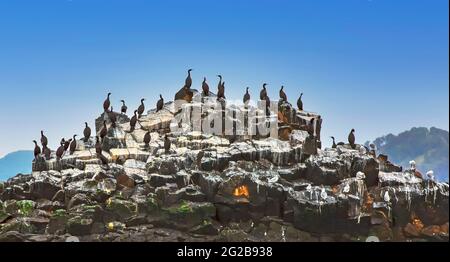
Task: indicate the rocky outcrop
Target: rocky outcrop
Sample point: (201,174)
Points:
(220,188)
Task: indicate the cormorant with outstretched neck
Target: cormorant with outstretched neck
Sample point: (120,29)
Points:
(98,145)
(166,144)
(221,91)
(219,85)
(112,117)
(263,93)
(351,138)
(246,98)
(205,87)
(37,149)
(73,145)
(141,108)
(188,81)
(300,102)
(124,108)
(133,121)
(106,103)
(104,130)
(86,132)
(60,151)
(147,138)
(160,103)
(283,96)
(44,140)
(334,142)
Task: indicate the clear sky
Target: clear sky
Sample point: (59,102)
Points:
(378,66)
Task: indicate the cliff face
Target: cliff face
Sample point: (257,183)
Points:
(227,187)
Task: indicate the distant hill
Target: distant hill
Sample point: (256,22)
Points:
(14,163)
(428,147)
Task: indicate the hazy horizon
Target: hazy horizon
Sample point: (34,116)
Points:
(377,66)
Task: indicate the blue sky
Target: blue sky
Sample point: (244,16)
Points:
(378,66)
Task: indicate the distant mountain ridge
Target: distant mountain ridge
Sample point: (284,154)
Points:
(14,163)
(428,147)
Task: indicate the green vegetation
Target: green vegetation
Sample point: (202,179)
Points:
(25,207)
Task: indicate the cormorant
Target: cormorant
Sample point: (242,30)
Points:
(188,81)
(147,138)
(166,144)
(141,108)
(246,96)
(160,103)
(86,132)
(98,145)
(103,159)
(283,96)
(73,145)
(219,85)
(300,102)
(133,121)
(44,140)
(334,143)
(104,130)
(351,138)
(37,149)
(124,108)
(221,91)
(67,144)
(106,103)
(60,151)
(205,87)
(263,93)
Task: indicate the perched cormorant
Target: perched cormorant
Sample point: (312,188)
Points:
(188,81)
(141,108)
(221,91)
(37,149)
(334,143)
(300,102)
(166,144)
(60,151)
(160,103)
(86,132)
(147,138)
(103,159)
(98,145)
(104,130)
(267,99)
(44,140)
(73,145)
(133,121)
(205,87)
(67,144)
(246,96)
(124,108)
(283,96)
(351,138)
(106,103)
(219,85)
(263,93)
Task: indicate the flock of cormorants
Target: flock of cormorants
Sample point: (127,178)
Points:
(71,144)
